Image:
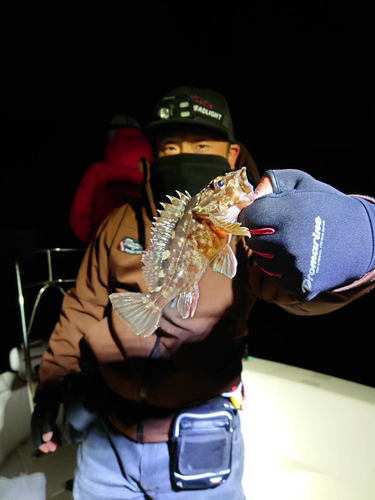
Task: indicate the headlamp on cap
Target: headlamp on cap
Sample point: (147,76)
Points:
(202,109)
(175,107)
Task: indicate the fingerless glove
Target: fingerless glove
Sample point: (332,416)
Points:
(310,236)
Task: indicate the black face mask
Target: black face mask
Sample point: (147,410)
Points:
(190,172)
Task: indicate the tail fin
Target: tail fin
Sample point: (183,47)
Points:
(137,310)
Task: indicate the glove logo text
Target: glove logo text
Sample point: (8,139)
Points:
(316,252)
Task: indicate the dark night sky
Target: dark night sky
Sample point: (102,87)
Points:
(299,85)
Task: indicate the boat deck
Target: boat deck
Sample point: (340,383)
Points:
(308,436)
(58,469)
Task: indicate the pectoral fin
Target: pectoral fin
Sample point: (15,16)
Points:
(230,227)
(187,302)
(225,262)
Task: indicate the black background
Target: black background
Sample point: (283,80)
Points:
(299,84)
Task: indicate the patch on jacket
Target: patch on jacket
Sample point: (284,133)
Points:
(130,245)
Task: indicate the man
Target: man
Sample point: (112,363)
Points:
(301,256)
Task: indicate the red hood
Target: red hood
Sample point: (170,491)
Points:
(127,147)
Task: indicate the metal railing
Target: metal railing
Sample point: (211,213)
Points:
(41,287)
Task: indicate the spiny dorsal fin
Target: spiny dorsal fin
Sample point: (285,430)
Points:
(162,232)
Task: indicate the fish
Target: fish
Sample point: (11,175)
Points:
(190,234)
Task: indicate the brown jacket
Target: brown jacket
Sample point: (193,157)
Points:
(188,360)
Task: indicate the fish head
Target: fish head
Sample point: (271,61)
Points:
(223,199)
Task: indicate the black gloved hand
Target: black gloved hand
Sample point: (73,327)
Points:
(43,420)
(312,237)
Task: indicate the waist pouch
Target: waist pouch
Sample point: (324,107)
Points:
(201,445)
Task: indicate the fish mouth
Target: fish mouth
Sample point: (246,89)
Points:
(248,195)
(246,186)
(246,198)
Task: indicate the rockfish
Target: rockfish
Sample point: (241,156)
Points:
(190,234)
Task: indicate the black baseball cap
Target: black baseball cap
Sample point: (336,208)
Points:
(192,107)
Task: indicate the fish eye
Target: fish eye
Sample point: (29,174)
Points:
(218,183)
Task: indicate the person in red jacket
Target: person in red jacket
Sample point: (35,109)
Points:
(109,184)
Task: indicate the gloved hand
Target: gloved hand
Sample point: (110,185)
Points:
(44,432)
(310,236)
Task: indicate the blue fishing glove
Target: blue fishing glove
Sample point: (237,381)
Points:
(310,236)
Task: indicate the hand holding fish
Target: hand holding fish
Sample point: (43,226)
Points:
(308,235)
(190,234)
